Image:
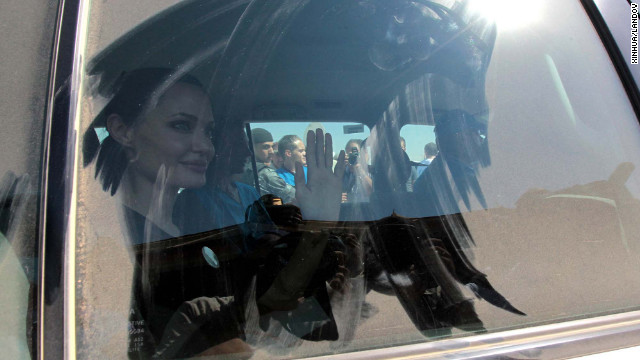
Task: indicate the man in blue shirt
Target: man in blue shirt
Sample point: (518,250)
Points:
(269,180)
(430,152)
(292,150)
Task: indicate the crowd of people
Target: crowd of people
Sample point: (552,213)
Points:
(275,166)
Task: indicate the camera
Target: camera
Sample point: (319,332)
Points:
(353,155)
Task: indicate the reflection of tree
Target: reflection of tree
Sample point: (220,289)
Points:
(566,252)
(596,200)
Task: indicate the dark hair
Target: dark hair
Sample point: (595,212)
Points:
(287,143)
(232,151)
(133,92)
(431,149)
(260,135)
(454,121)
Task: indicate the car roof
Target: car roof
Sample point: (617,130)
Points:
(304,62)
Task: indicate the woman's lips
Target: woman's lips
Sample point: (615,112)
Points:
(196,166)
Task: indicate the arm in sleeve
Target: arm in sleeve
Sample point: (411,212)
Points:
(197,325)
(272,183)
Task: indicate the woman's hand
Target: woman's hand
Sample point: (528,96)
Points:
(320,198)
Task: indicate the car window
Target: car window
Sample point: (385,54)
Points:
(472,182)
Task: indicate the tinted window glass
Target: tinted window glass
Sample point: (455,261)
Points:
(464,164)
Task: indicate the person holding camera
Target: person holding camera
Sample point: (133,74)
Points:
(357,184)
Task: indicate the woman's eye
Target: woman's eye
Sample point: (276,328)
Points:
(182,126)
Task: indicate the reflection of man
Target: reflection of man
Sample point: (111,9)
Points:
(270,182)
(263,151)
(414,173)
(262,146)
(357,182)
(292,150)
(430,152)
(452,174)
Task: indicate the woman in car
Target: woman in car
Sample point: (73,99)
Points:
(160,126)
(222,201)
(159,140)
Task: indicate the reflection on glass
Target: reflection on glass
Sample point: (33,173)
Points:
(304,212)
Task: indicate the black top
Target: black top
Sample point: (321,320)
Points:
(181,305)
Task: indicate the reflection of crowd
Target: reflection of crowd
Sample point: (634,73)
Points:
(267,159)
(275,166)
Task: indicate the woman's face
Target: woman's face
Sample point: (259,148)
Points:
(176,133)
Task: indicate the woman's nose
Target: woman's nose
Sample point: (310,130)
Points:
(202,143)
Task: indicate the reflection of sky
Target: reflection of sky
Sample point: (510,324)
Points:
(102,133)
(415,135)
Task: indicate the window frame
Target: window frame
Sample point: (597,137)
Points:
(56,287)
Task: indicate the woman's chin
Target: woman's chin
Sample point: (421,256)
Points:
(190,181)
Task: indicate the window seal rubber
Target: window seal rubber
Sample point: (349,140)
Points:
(54,287)
(615,54)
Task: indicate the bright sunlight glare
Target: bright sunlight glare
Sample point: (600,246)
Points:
(508,14)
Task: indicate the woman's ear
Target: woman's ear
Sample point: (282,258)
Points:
(119,131)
